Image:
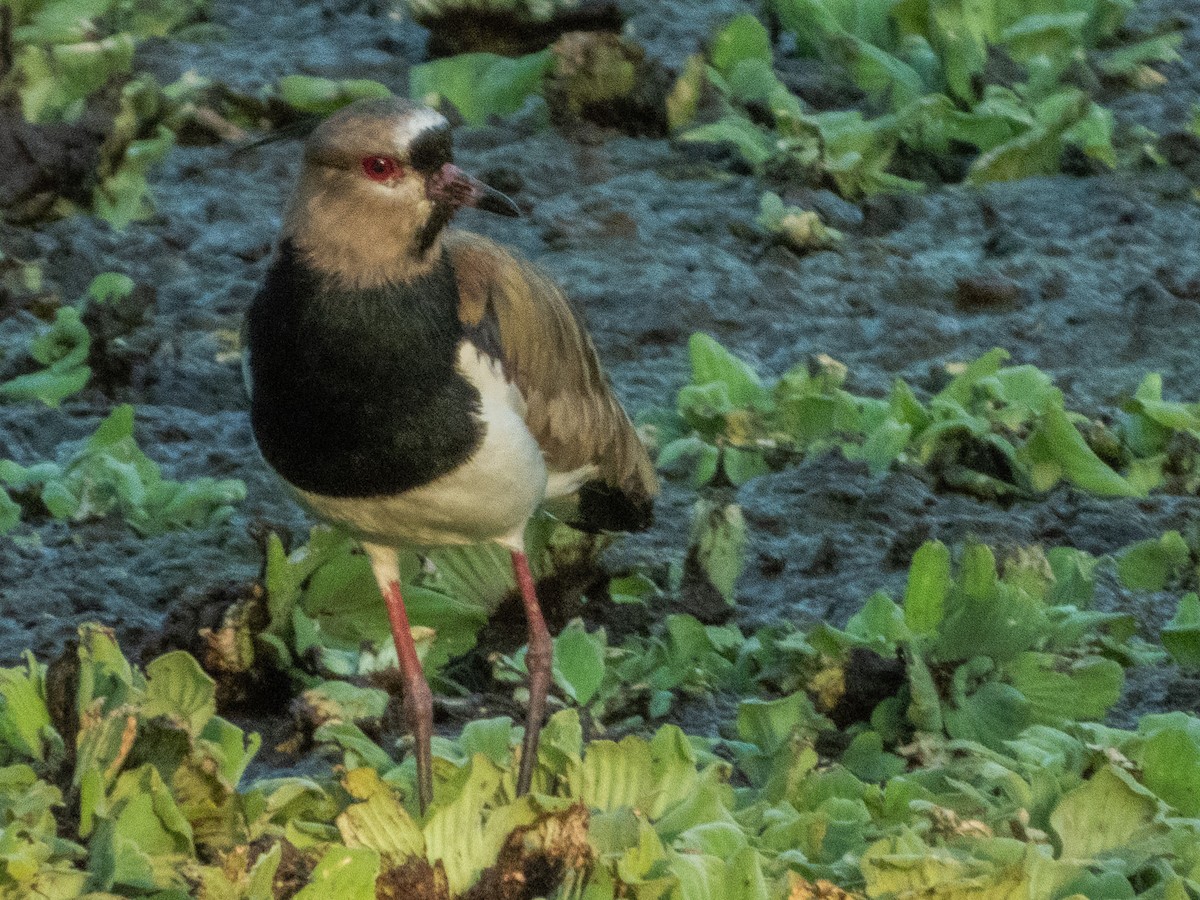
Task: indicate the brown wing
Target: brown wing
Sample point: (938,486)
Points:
(571,409)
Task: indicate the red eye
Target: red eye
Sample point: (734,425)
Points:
(381,168)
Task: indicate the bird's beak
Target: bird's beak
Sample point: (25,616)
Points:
(453,187)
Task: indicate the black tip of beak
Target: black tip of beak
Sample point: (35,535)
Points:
(495,202)
(454,188)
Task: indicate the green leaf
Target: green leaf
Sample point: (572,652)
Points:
(991,715)
(742,466)
(616,775)
(753,142)
(866,758)
(454,831)
(885,444)
(110,287)
(345,873)
(1181,635)
(673,776)
(63,348)
(1151,565)
(10,513)
(1056,449)
(999,624)
(1108,811)
(65,344)
(146,839)
(124,196)
(1128,59)
(879,625)
(1062,690)
(691,453)
(50,386)
(179,689)
(492,738)
(743,38)
(636,588)
(480,85)
(1169,759)
(360,749)
(323,96)
(718,545)
(24,717)
(928,587)
(579,661)
(713,363)
(771,724)
(380,822)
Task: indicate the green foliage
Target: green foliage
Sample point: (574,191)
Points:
(1016,797)
(718,544)
(480,85)
(840,146)
(1152,565)
(989,654)
(322,96)
(66,52)
(930,69)
(641,679)
(992,431)
(326,618)
(62,348)
(1181,635)
(108,473)
(139,141)
(800,229)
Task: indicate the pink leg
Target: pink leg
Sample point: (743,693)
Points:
(418,701)
(538,659)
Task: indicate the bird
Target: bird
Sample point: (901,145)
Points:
(421,386)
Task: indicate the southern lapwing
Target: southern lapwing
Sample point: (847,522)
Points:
(420,386)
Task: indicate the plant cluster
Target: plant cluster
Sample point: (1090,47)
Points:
(984,775)
(63,347)
(1003,86)
(108,473)
(72,79)
(993,430)
(319,615)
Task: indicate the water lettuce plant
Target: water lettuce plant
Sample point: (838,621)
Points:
(118,781)
(323,96)
(65,52)
(318,615)
(988,654)
(480,85)
(642,679)
(932,83)
(800,229)
(63,347)
(994,430)
(108,473)
(771,128)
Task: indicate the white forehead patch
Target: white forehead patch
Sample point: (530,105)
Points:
(412,125)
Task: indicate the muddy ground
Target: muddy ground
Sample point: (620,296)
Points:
(652,240)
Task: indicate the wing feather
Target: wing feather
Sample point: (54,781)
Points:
(512,309)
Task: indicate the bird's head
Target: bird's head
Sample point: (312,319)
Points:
(377,188)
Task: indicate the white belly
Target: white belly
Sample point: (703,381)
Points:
(490,497)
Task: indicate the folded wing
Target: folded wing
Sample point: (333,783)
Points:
(514,313)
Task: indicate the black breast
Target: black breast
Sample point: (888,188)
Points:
(356,392)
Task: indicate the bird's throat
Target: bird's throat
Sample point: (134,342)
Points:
(428,234)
